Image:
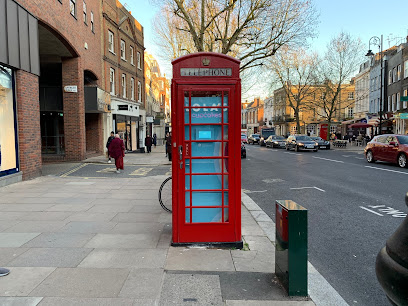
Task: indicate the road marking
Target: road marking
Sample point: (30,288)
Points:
(314,187)
(73,170)
(107,170)
(141,171)
(346,155)
(333,160)
(269,181)
(168,173)
(371,211)
(386,170)
(359,157)
(252,191)
(273,150)
(292,153)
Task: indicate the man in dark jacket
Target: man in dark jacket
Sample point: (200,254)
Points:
(148,143)
(111,137)
(168,146)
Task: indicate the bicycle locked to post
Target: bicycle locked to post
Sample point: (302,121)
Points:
(165,198)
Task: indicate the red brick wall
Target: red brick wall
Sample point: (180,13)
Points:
(94,130)
(28,119)
(74,109)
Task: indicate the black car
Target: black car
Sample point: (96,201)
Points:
(254,138)
(243,150)
(323,144)
(275,141)
(301,142)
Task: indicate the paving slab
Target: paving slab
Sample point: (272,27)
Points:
(80,282)
(253,261)
(199,259)
(9,254)
(88,227)
(268,303)
(24,207)
(4,225)
(259,243)
(21,281)
(59,240)
(137,228)
(88,216)
(143,208)
(187,289)
(125,258)
(111,208)
(45,216)
(36,226)
(260,216)
(253,230)
(269,228)
(50,257)
(12,216)
(137,217)
(124,241)
(15,240)
(20,301)
(60,301)
(69,207)
(143,284)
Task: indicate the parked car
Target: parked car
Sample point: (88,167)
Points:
(243,150)
(244,138)
(275,141)
(254,138)
(264,134)
(323,144)
(301,142)
(390,148)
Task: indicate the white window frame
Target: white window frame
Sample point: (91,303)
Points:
(92,23)
(132,89)
(139,91)
(139,60)
(111,41)
(389,104)
(132,61)
(393,102)
(84,9)
(123,49)
(399,72)
(72,7)
(123,85)
(351,95)
(394,74)
(112,81)
(405,94)
(406,69)
(398,102)
(390,77)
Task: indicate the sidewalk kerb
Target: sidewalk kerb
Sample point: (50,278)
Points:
(320,291)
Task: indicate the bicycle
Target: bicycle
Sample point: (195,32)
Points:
(165,198)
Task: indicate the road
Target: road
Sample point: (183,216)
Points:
(353,208)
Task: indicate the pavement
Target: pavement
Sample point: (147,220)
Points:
(101,241)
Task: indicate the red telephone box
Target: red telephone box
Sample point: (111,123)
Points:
(206,150)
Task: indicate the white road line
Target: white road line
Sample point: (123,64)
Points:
(333,160)
(371,211)
(386,170)
(359,157)
(319,189)
(314,187)
(346,155)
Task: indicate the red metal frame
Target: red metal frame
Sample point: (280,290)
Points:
(226,230)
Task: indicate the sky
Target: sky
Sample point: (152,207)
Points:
(361,18)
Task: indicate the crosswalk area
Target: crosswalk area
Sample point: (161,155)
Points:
(109,171)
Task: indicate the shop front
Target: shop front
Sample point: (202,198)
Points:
(127,123)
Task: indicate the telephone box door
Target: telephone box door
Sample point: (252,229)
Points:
(204,164)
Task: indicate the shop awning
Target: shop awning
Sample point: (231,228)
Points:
(360,125)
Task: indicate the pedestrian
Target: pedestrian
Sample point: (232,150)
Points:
(165,142)
(117,151)
(168,146)
(154,139)
(111,137)
(148,143)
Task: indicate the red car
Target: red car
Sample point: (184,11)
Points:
(390,148)
(244,138)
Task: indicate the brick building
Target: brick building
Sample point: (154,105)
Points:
(52,49)
(123,77)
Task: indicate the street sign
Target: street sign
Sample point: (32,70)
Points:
(404,116)
(72,88)
(404,98)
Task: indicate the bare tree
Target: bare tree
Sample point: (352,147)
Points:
(251,30)
(294,71)
(340,63)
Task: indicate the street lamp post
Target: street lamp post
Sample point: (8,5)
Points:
(376,41)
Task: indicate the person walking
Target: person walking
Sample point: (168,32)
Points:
(154,139)
(117,151)
(165,142)
(168,146)
(111,137)
(148,143)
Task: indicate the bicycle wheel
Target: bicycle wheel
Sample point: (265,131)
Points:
(165,198)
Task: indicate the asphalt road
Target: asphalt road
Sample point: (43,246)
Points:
(348,216)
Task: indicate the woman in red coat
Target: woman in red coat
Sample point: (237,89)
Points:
(117,151)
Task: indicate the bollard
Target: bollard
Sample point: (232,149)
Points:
(391,265)
(291,247)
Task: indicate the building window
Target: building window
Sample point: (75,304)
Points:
(123,85)
(112,81)
(394,74)
(131,56)
(405,94)
(389,104)
(132,89)
(8,148)
(349,112)
(398,101)
(111,42)
(393,102)
(72,7)
(92,23)
(351,95)
(139,61)
(139,91)
(85,20)
(122,49)
(389,77)
(406,69)
(399,72)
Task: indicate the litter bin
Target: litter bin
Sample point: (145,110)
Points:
(291,247)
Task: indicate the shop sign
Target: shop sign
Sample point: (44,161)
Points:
(149,119)
(104,101)
(123,107)
(404,98)
(201,72)
(71,88)
(403,116)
